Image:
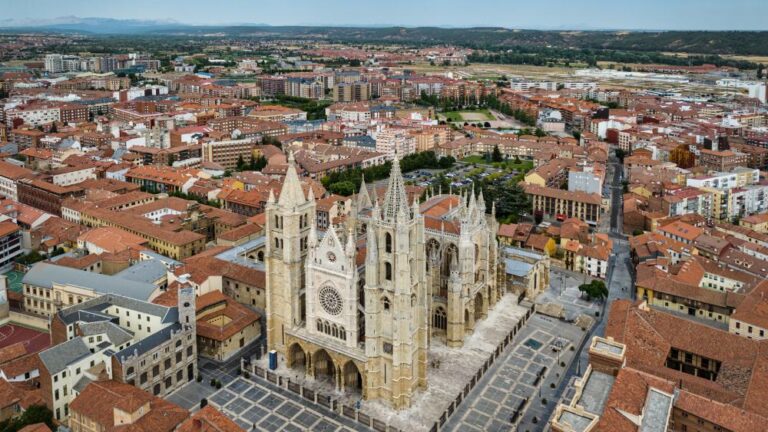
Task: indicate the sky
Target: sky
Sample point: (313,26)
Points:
(528,14)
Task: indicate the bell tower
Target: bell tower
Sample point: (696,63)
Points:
(289,220)
(395,297)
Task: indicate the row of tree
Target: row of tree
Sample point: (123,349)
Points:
(347,182)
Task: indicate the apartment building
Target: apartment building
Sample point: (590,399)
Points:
(392,141)
(10,174)
(227,153)
(130,341)
(304,88)
(34,114)
(553,202)
(352,92)
(722,160)
(10,244)
(45,196)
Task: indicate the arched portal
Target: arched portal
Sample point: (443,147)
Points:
(353,379)
(478,306)
(325,369)
(297,358)
(440,320)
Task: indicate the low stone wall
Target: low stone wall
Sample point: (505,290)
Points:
(28,320)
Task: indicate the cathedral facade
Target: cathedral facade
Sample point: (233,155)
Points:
(359,305)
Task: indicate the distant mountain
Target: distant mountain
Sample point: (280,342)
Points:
(702,42)
(93,25)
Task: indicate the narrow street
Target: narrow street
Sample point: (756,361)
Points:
(620,279)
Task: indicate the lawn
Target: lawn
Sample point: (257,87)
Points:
(469,116)
(509,165)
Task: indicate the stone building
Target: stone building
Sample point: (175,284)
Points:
(131,341)
(357,307)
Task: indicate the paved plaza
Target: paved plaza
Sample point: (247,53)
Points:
(259,404)
(512,380)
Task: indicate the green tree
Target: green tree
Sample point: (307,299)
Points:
(497,156)
(344,188)
(240,163)
(32,415)
(171,159)
(594,290)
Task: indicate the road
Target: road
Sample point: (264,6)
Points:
(620,278)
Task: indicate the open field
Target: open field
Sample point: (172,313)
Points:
(472,116)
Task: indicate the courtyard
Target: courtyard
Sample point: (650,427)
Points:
(518,387)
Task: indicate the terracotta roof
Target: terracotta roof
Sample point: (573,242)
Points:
(99,399)
(7,227)
(37,427)
(589,198)
(14,172)
(649,335)
(209,419)
(208,308)
(754,308)
(507,230)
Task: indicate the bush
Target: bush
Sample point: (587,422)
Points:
(199,378)
(218,385)
(572,348)
(535,420)
(597,313)
(213,382)
(552,385)
(246,375)
(544,401)
(562,364)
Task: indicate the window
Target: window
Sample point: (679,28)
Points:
(388,271)
(155,370)
(189,351)
(388,242)
(143,378)
(386,303)
(178,357)
(167,363)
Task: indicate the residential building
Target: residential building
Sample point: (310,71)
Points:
(130,341)
(553,202)
(10,244)
(111,405)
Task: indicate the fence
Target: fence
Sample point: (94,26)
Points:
(454,405)
(353,413)
(317,398)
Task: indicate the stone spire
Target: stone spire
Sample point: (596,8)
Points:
(291,195)
(363,199)
(395,200)
(271,199)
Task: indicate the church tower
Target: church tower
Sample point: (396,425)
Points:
(289,220)
(396,323)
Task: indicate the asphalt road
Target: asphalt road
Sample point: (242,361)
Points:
(620,280)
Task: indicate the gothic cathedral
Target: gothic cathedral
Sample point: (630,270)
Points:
(359,305)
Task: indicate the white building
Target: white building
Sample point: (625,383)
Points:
(391,141)
(34,115)
(533,85)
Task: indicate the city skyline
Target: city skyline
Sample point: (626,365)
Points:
(595,15)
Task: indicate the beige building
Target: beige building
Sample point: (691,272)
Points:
(354,307)
(224,326)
